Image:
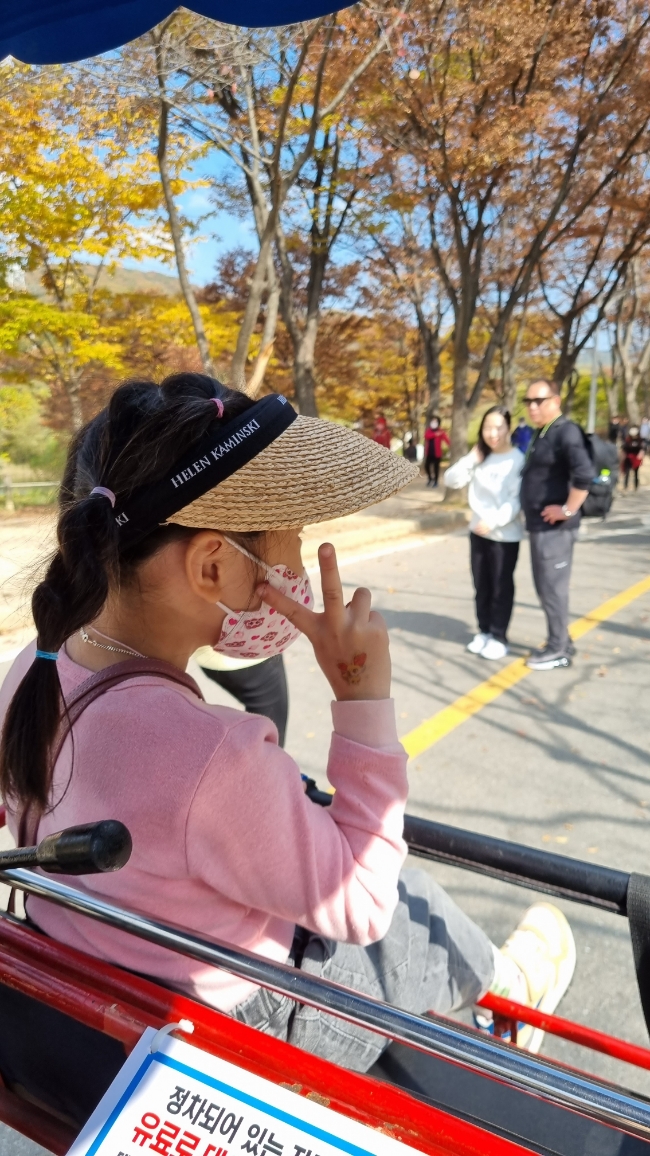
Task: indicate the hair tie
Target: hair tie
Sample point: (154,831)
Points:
(104,493)
(219,404)
(52,655)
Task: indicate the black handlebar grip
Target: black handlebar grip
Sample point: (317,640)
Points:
(86,850)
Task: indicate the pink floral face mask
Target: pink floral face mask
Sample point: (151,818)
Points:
(263,632)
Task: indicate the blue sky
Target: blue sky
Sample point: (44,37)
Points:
(218,232)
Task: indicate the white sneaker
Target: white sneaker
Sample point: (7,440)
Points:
(478,642)
(494,649)
(543,948)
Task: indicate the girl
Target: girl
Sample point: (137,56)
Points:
(492,470)
(180,529)
(633,449)
(435,439)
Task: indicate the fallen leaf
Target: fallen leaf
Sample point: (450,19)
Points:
(569,826)
(592,850)
(522,734)
(404,714)
(390,590)
(617,650)
(561,839)
(599,637)
(311,734)
(546,838)
(602,671)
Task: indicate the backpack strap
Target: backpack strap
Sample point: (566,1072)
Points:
(112,676)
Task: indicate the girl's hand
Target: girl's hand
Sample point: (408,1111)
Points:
(350,642)
(481,528)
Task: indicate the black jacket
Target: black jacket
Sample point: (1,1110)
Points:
(556,461)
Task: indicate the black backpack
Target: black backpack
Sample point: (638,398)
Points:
(604,456)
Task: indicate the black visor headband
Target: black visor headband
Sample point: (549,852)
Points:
(220,454)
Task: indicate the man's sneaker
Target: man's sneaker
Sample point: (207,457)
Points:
(570,648)
(543,949)
(478,642)
(494,649)
(547,659)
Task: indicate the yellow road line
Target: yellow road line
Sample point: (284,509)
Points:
(435,728)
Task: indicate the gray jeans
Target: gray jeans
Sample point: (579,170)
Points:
(432,959)
(551,554)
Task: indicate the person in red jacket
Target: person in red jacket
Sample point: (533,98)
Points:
(435,439)
(381,433)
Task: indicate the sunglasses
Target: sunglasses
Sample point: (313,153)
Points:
(538,400)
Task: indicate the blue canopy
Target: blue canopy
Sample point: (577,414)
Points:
(59,31)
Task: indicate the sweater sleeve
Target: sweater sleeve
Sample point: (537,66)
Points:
(509,504)
(460,474)
(255,837)
(581,467)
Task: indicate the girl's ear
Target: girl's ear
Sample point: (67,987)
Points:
(204,563)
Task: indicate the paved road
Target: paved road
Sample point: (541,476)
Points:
(559,762)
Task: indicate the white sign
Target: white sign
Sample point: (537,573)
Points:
(180,1101)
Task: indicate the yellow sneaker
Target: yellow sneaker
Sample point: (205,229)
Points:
(543,948)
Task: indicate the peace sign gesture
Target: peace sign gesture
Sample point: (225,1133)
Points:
(350,642)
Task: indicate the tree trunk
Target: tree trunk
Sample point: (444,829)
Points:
(268,336)
(303,369)
(430,341)
(252,311)
(572,385)
(630,390)
(460,411)
(73,390)
(174,220)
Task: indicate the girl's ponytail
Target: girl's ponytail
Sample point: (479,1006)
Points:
(71,594)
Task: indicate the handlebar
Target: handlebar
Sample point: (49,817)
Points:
(85,850)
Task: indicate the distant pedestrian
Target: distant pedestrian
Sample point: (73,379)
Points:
(522,436)
(633,449)
(492,470)
(555,482)
(435,439)
(381,433)
(645,432)
(614,431)
(410,449)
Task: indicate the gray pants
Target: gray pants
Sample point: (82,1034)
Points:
(432,959)
(551,553)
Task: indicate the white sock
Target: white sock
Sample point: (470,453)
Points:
(509,980)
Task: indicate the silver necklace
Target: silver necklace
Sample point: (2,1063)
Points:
(113,649)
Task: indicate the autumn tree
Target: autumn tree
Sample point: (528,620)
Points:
(76,197)
(268,100)
(631,322)
(582,276)
(399,263)
(511,119)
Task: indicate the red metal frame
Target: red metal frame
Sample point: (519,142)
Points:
(122,1005)
(513,1012)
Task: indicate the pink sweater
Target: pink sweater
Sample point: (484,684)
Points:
(225,841)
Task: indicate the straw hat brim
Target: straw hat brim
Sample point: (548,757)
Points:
(315,470)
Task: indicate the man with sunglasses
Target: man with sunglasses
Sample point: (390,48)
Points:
(555,481)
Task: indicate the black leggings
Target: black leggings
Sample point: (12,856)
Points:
(432,464)
(493,567)
(628,469)
(261,689)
